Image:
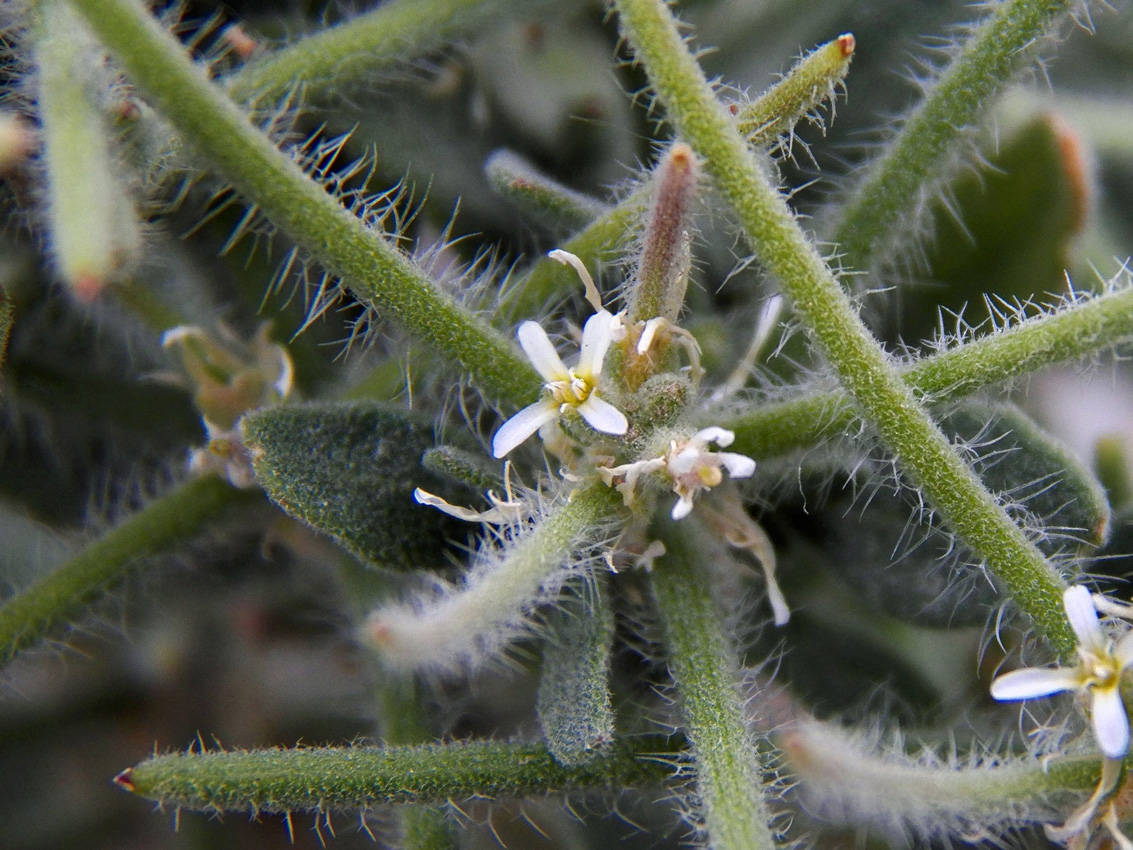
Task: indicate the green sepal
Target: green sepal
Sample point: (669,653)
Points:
(575,711)
(349,470)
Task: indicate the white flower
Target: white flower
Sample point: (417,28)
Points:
(690,466)
(225,455)
(565,388)
(1098,672)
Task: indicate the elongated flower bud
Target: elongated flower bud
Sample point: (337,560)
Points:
(658,288)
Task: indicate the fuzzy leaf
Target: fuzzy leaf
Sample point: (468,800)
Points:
(1020,461)
(350,470)
(916,573)
(574,700)
(1008,232)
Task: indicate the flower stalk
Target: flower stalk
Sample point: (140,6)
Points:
(706,677)
(353,778)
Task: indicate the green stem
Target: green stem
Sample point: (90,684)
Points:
(895,189)
(340,778)
(922,450)
(377,273)
(402,721)
(1070,334)
(837,771)
(490,609)
(548,281)
(61,595)
(359,49)
(93,226)
(703,665)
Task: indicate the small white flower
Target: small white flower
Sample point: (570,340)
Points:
(225,455)
(565,388)
(690,466)
(1098,672)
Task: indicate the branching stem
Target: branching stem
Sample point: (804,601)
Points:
(872,379)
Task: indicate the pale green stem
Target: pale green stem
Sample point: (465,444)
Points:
(93,228)
(705,674)
(376,272)
(838,772)
(812,81)
(361,48)
(490,608)
(1070,334)
(62,594)
(544,200)
(352,778)
(886,402)
(893,194)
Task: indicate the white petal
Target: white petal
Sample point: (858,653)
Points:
(738,466)
(682,508)
(603,416)
(1079,605)
(646,339)
(1123,652)
(597,334)
(1033,682)
(1111,724)
(523,425)
(535,344)
(714,434)
(286,380)
(569,259)
(423,497)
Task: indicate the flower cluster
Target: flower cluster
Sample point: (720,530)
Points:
(689,465)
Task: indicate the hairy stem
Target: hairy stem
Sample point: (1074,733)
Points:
(1077,331)
(360,777)
(376,272)
(359,49)
(704,669)
(886,402)
(61,595)
(490,608)
(896,186)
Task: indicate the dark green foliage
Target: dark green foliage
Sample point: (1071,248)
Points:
(1025,465)
(349,469)
(916,572)
(575,713)
(1007,229)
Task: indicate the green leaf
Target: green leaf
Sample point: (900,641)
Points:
(349,469)
(1008,230)
(574,701)
(1027,467)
